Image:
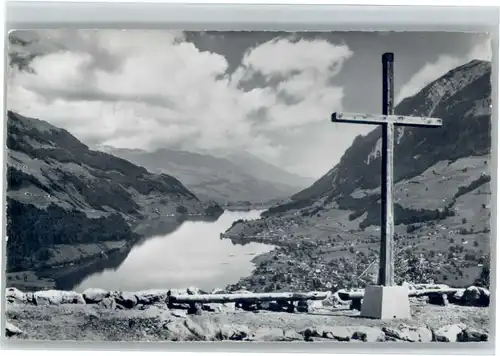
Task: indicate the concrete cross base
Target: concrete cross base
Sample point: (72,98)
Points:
(380,302)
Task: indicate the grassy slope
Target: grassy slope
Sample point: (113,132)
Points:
(339,249)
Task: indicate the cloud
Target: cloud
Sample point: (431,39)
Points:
(482,51)
(430,71)
(427,74)
(152,89)
(284,56)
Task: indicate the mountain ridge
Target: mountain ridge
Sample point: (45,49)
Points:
(364,154)
(61,192)
(221,179)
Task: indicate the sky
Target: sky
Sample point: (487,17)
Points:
(270,94)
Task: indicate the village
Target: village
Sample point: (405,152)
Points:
(310,256)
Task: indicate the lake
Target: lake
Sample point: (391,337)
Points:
(192,255)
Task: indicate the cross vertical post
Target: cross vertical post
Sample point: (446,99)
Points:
(386,300)
(386,265)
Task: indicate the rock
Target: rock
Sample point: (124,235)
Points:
(333,300)
(457,297)
(158,306)
(195,309)
(176,291)
(302,306)
(408,285)
(227,307)
(476,296)
(356,304)
(14,295)
(263,305)
(218,291)
(431,286)
(402,333)
(233,332)
(329,301)
(368,334)
(11,330)
(193,291)
(177,331)
(30,297)
(179,313)
(337,332)
(157,314)
(56,297)
(438,299)
(314,305)
(196,330)
(219,307)
(424,334)
(250,306)
(292,335)
(269,334)
(107,303)
(471,335)
(210,328)
(392,339)
(289,307)
(126,299)
(94,295)
(271,306)
(212,307)
(310,332)
(320,339)
(449,333)
(152,296)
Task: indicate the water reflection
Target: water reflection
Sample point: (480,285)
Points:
(191,255)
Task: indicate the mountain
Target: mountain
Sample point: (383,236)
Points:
(61,193)
(442,197)
(462,98)
(221,179)
(265,171)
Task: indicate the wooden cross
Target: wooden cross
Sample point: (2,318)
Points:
(388,120)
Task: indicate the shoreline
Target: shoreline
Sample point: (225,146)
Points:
(327,250)
(76,260)
(47,277)
(59,275)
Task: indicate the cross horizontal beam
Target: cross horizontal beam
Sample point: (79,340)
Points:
(386,119)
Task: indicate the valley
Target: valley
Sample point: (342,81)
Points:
(234,179)
(195,186)
(86,204)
